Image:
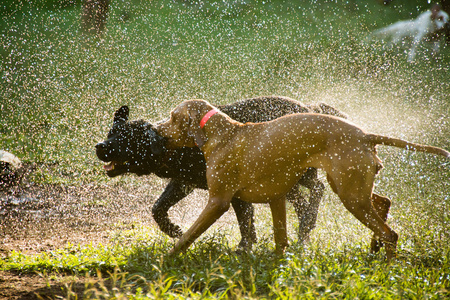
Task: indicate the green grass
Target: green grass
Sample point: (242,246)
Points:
(60,89)
(140,268)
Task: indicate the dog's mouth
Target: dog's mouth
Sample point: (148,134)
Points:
(113,165)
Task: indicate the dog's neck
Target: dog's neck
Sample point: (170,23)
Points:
(217,130)
(206,117)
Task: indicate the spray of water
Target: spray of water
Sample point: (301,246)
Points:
(60,87)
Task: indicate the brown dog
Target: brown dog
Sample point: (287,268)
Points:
(260,162)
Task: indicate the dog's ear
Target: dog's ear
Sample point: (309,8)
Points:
(199,137)
(435,11)
(121,115)
(194,130)
(157,142)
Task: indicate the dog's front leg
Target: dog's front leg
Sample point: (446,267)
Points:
(244,213)
(173,193)
(215,208)
(278,208)
(307,210)
(436,46)
(412,53)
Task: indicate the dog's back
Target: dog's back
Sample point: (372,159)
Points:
(310,132)
(406,29)
(267,108)
(273,107)
(426,23)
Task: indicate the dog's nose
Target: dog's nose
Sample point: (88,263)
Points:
(100,146)
(101,149)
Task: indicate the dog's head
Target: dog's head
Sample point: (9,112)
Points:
(439,17)
(183,127)
(131,146)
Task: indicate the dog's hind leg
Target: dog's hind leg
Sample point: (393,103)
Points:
(307,210)
(278,208)
(382,206)
(244,214)
(173,193)
(354,188)
(361,207)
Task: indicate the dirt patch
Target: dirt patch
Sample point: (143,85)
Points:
(34,219)
(14,285)
(43,218)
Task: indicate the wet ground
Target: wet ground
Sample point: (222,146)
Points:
(34,219)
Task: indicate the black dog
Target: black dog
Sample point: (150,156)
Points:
(135,147)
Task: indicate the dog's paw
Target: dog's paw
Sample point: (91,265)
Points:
(375,245)
(175,231)
(172,230)
(245,245)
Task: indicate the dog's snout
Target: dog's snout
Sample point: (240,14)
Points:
(100,146)
(101,150)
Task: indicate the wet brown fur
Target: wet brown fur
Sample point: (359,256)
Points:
(260,162)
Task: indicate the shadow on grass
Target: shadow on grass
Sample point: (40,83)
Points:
(212,269)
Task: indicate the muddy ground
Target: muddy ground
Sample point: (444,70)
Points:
(34,219)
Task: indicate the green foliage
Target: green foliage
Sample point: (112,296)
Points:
(73,258)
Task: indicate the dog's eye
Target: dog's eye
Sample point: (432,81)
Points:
(440,18)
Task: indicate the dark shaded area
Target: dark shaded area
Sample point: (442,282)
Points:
(18,286)
(40,218)
(94,16)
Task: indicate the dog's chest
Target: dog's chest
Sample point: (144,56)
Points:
(267,188)
(256,180)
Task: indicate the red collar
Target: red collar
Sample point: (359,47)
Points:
(208,115)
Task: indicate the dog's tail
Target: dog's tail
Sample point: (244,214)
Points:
(388,141)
